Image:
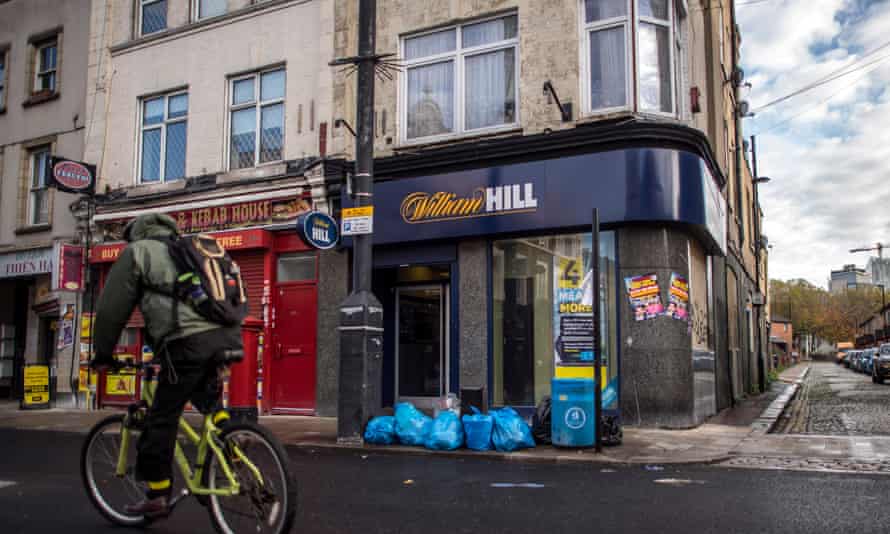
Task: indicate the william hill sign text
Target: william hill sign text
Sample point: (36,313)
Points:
(422,207)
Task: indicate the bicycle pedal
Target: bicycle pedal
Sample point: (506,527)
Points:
(175,500)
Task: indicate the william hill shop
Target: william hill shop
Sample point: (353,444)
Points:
(483,259)
(284,279)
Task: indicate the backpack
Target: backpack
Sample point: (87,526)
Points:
(208,279)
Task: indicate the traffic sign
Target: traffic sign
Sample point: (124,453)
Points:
(358,221)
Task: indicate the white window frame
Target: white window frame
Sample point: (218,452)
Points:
(669,24)
(140,12)
(258,104)
(38,49)
(629,63)
(631,23)
(142,128)
(33,154)
(196,10)
(458,56)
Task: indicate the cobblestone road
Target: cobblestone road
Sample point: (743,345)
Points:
(837,401)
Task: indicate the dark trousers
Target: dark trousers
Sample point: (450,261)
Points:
(193,376)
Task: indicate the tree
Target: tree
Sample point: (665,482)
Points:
(831,316)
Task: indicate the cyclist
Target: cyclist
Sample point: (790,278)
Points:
(185,343)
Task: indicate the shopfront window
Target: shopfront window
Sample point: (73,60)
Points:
(542,297)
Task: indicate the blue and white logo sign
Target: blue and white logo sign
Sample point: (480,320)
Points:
(318,230)
(575,418)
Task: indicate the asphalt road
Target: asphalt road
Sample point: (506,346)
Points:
(346,492)
(838,401)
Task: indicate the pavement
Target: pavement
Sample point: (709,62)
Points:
(839,421)
(737,437)
(345,492)
(718,440)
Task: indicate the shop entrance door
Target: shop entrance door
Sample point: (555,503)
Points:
(421,344)
(293,365)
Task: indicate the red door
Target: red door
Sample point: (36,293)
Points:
(293,361)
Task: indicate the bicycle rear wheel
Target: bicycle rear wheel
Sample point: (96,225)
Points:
(260,507)
(109,492)
(266,506)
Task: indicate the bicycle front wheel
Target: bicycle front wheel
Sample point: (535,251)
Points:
(264,505)
(108,491)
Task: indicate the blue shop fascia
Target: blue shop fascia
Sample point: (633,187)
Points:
(482,261)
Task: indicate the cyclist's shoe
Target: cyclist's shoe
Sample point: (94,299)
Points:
(150,508)
(221,419)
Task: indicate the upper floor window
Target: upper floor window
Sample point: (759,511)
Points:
(152,16)
(162,139)
(610,33)
(38,193)
(256,106)
(45,63)
(209,8)
(460,79)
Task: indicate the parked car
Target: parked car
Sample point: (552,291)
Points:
(858,361)
(843,348)
(868,359)
(853,359)
(881,368)
(847,360)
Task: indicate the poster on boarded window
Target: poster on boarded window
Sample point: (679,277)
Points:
(644,295)
(678,298)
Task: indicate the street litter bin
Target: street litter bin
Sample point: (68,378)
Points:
(243,378)
(572,413)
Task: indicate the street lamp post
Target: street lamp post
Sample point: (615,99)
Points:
(361,315)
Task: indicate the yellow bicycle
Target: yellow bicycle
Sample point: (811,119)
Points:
(240,472)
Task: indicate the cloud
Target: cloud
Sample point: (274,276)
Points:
(827,150)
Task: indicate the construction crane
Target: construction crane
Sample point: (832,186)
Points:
(878,246)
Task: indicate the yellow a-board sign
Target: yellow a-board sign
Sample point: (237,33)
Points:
(120,384)
(36,390)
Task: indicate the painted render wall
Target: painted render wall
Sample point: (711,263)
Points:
(60,121)
(207,55)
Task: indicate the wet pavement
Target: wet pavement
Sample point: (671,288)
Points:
(836,401)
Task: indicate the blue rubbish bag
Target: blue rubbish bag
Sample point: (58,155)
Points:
(412,425)
(478,427)
(510,432)
(446,433)
(381,430)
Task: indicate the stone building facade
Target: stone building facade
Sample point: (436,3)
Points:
(43,113)
(474,105)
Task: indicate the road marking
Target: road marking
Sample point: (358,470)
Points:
(678,481)
(6,483)
(531,485)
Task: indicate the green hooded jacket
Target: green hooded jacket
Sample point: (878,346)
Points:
(144,275)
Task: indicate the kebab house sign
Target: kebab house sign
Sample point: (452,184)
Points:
(235,216)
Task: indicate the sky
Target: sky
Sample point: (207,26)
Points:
(827,151)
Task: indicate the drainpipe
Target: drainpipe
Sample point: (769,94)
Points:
(761,365)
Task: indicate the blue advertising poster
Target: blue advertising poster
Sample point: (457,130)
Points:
(573,314)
